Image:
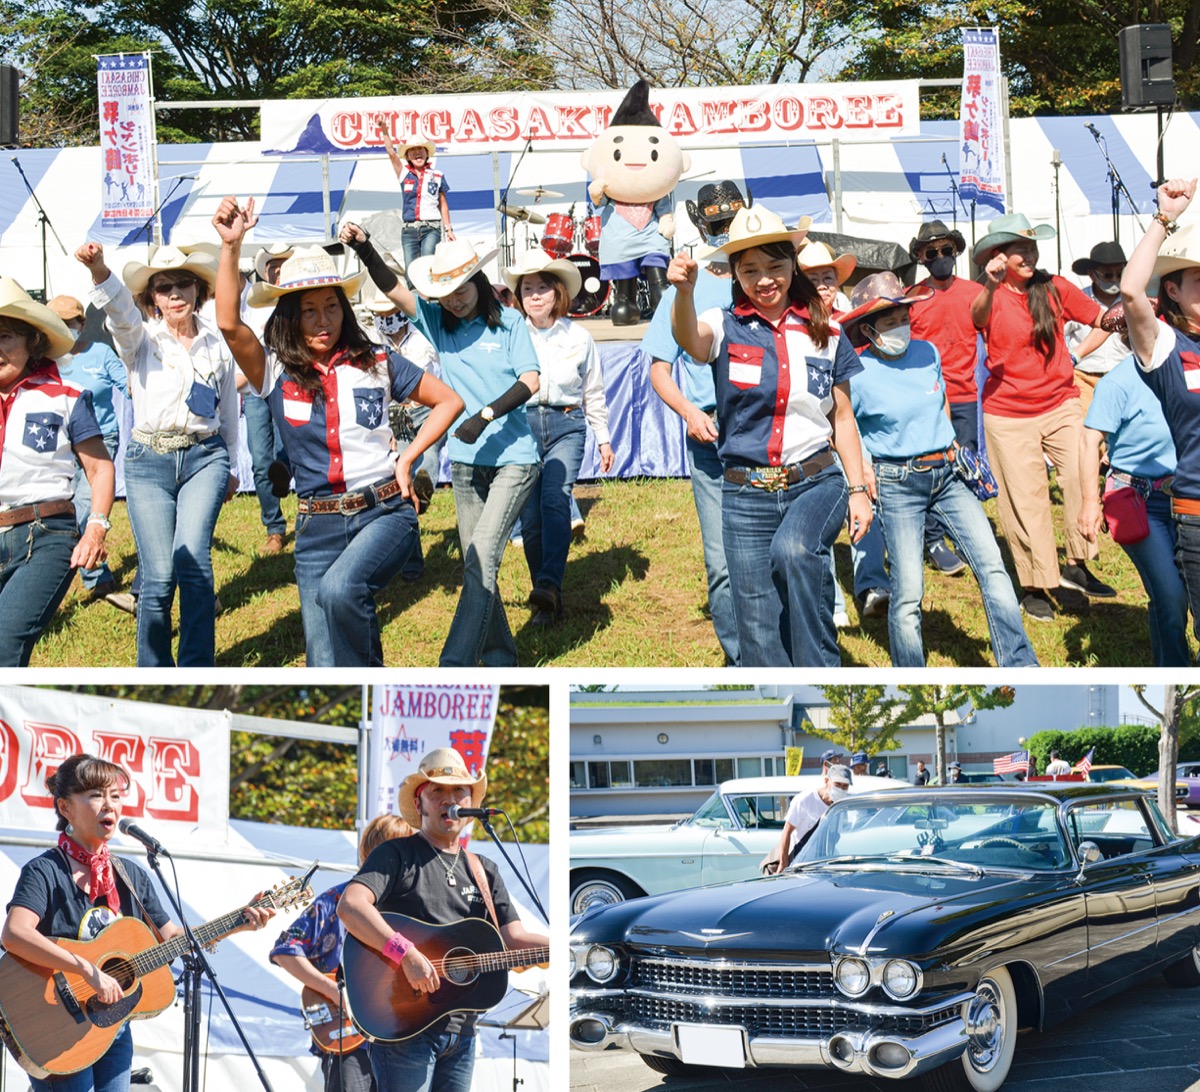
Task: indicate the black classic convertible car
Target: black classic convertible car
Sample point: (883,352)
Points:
(914,935)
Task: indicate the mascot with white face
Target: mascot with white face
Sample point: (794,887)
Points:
(635,164)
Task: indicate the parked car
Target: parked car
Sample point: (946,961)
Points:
(1188,773)
(1119,774)
(727,837)
(914,935)
(980,779)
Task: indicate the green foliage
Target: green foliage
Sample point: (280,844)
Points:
(1134,746)
(863,718)
(939,700)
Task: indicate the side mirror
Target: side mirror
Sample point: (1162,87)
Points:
(1089,853)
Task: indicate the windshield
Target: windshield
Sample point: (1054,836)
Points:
(712,813)
(1112,773)
(997,834)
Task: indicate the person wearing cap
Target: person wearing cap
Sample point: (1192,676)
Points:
(860,763)
(489,360)
(696,401)
(805,811)
(425,212)
(46,422)
(329,388)
(1096,351)
(570,390)
(900,405)
(185,424)
(784,496)
(827,759)
(1031,408)
(954,773)
(433,878)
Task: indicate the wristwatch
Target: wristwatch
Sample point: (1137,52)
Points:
(95,517)
(488,414)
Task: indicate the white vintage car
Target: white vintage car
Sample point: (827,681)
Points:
(726,839)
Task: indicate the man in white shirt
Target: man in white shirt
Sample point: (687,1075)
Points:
(806,811)
(1057,767)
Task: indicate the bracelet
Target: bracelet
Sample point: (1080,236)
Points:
(858,489)
(1169,225)
(396,948)
(95,517)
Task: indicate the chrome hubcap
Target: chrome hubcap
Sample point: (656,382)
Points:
(985,1027)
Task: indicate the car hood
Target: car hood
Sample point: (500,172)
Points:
(607,841)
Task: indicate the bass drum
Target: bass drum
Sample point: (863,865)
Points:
(593,296)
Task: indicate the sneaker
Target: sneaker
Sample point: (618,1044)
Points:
(874,603)
(273,545)
(1036,605)
(280,476)
(122,601)
(546,597)
(422,487)
(841,619)
(1078,578)
(577,527)
(945,560)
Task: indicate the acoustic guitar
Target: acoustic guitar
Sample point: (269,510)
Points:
(331,1035)
(470,959)
(52,1022)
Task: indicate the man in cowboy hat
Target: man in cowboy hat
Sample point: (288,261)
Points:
(430,877)
(1096,351)
(426,212)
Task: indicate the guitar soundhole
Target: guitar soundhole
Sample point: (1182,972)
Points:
(122,970)
(458,966)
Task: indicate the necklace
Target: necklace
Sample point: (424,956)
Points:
(450,868)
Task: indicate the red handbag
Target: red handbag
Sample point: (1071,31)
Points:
(1125,513)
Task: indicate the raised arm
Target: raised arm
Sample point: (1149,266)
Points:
(691,335)
(389,145)
(109,292)
(381,273)
(232,222)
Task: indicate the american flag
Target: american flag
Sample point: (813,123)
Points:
(1018,760)
(1085,763)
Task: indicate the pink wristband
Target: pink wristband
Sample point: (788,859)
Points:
(396,948)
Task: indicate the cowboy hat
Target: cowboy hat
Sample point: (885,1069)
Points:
(758,226)
(931,232)
(816,255)
(270,253)
(16,303)
(1009,229)
(412,142)
(309,267)
(878,292)
(1177,252)
(1102,254)
(536,260)
(137,275)
(443,766)
(452,263)
(716,203)
(67,308)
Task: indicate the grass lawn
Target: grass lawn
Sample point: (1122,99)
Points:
(635,596)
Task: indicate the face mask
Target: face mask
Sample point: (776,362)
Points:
(717,240)
(836,794)
(893,342)
(390,324)
(940,268)
(1107,288)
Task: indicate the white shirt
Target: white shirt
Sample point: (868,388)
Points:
(804,813)
(1057,768)
(415,346)
(571,373)
(1102,360)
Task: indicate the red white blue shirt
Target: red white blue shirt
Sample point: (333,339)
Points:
(42,419)
(1173,374)
(420,190)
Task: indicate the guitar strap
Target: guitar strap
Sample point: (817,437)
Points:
(481,882)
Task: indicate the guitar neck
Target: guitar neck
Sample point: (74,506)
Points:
(505,960)
(161,954)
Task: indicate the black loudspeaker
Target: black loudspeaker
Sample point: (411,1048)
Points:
(1146,76)
(10,105)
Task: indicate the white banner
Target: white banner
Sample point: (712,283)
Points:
(573,119)
(126,138)
(981,120)
(409,721)
(178,759)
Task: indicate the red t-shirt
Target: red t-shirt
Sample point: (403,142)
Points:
(1021,383)
(946,321)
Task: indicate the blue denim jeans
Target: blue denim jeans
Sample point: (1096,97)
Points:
(777,545)
(906,497)
(546,517)
(1154,559)
(35,572)
(173,501)
(434,1061)
(418,240)
(707,483)
(341,563)
(487,500)
(108,1073)
(82,496)
(262,438)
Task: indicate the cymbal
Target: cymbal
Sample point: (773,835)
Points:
(519,212)
(538,193)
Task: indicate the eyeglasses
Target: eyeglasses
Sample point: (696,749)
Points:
(165,288)
(935,252)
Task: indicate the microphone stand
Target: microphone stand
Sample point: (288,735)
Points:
(150,220)
(504,203)
(956,199)
(44,220)
(491,832)
(1115,181)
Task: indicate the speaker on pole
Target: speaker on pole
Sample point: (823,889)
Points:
(1146,75)
(10,105)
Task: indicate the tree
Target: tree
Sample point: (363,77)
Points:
(1175,699)
(863,718)
(937,701)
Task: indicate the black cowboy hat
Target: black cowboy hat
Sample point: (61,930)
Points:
(716,203)
(935,229)
(1102,254)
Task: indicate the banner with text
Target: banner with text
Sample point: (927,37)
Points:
(573,119)
(177,759)
(409,721)
(981,121)
(126,138)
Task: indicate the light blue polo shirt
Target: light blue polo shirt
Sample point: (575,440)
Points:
(99,370)
(900,404)
(1127,411)
(659,343)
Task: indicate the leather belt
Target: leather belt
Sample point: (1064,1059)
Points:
(27,513)
(348,503)
(1185,506)
(923,462)
(776,478)
(1145,486)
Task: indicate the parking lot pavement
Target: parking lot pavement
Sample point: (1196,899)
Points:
(1146,1039)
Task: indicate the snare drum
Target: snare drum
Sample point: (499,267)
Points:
(559,236)
(591,235)
(593,295)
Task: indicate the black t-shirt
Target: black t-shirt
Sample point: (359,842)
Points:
(64,910)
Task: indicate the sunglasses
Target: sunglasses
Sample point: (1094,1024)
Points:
(935,252)
(165,288)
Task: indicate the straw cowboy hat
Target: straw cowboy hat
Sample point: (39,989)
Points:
(758,226)
(443,766)
(137,275)
(1180,251)
(308,267)
(428,145)
(16,303)
(452,263)
(1102,254)
(1009,229)
(270,253)
(67,308)
(931,232)
(816,255)
(878,292)
(536,260)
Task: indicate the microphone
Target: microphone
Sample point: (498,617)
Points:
(466,813)
(129,827)
(1093,130)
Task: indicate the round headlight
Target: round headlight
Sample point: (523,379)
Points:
(853,977)
(901,979)
(572,962)
(601,963)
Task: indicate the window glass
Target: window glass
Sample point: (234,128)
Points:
(598,775)
(749,767)
(1117,827)
(579,775)
(724,770)
(706,772)
(713,813)
(657,773)
(620,774)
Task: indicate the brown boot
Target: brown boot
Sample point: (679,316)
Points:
(273,545)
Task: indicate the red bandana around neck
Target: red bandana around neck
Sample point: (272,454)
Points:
(102,881)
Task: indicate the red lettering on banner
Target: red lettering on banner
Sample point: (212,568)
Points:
(823,113)
(466,703)
(176,767)
(471,128)
(504,123)
(471,745)
(10,754)
(789,112)
(889,111)
(572,123)
(538,126)
(718,117)
(52,745)
(755,115)
(346,128)
(436,124)
(129,752)
(859,114)
(681,122)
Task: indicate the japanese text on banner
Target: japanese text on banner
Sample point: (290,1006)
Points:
(126,138)
(981,126)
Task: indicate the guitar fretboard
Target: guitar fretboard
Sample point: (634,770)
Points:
(500,961)
(161,954)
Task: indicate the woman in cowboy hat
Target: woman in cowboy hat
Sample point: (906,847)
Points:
(1031,408)
(329,388)
(185,424)
(489,359)
(784,497)
(902,412)
(426,212)
(48,422)
(828,271)
(571,388)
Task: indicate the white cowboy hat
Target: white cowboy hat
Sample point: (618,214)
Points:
(757,226)
(443,766)
(137,275)
(1180,251)
(269,253)
(309,267)
(536,260)
(16,303)
(371,298)
(452,263)
(412,142)
(815,255)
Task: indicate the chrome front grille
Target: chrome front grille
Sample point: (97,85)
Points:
(732,979)
(791,1023)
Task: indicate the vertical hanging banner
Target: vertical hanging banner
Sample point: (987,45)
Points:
(981,125)
(409,721)
(126,138)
